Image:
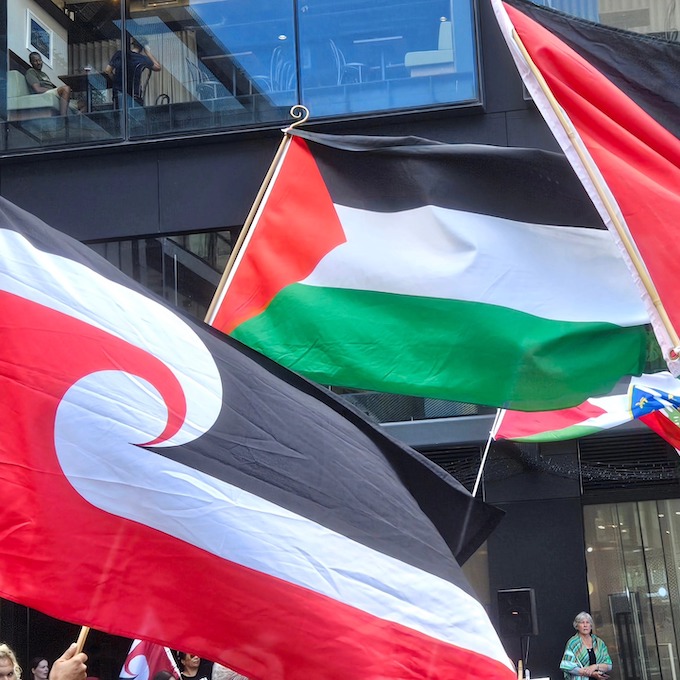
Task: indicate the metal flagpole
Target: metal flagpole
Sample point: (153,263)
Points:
(625,237)
(302,114)
(492,433)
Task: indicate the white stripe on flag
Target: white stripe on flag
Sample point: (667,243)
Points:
(247,529)
(443,253)
(57,282)
(196,508)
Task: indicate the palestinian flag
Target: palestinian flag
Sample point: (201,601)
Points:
(152,466)
(590,417)
(616,93)
(653,399)
(472,273)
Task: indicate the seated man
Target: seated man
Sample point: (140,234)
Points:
(139,57)
(39,82)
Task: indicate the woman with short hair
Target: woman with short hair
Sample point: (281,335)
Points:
(585,654)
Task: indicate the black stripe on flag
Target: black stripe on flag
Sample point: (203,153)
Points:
(284,439)
(644,67)
(299,446)
(390,174)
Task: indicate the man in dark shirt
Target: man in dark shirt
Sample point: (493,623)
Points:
(39,82)
(139,58)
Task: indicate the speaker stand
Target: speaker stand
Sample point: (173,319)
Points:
(524,650)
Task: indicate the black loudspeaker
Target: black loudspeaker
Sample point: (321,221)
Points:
(517,612)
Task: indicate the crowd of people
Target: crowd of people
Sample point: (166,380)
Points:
(585,654)
(71,665)
(193,667)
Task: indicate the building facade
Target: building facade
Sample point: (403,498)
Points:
(157,170)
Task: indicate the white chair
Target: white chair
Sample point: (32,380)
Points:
(434,62)
(205,87)
(23,104)
(281,77)
(282,71)
(348,71)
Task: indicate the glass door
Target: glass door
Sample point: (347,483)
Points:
(633,558)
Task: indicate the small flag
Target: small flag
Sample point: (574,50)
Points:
(146,659)
(658,409)
(653,399)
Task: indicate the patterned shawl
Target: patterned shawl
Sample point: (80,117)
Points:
(576,655)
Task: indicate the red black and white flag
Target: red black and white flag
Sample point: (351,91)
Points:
(162,481)
(146,660)
(611,99)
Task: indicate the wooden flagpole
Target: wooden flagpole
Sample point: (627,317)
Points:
(80,642)
(621,230)
(301,113)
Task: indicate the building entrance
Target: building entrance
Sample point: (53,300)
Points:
(633,560)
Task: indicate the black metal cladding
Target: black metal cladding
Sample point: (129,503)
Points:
(639,461)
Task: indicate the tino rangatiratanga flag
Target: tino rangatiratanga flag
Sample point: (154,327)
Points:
(472,273)
(162,481)
(611,99)
(146,660)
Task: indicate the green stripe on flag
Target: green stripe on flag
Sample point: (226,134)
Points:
(431,347)
(574,432)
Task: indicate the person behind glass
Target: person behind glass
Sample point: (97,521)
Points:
(192,667)
(39,82)
(40,668)
(585,653)
(139,57)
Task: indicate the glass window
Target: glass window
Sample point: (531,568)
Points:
(586,9)
(223,64)
(193,65)
(185,65)
(56,91)
(633,561)
(231,63)
(141,68)
(185,270)
(369,55)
